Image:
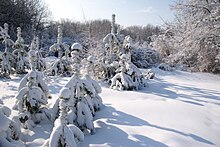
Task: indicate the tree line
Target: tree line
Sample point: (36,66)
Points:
(28,14)
(191,40)
(34,19)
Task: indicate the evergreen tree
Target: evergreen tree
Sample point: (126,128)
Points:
(9,129)
(63,133)
(32,97)
(7,58)
(62,66)
(19,53)
(84,99)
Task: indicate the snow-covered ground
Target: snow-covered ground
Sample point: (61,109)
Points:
(176,109)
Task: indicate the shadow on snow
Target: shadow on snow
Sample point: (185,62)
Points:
(111,135)
(196,96)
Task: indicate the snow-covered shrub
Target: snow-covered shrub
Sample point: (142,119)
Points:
(144,58)
(117,67)
(128,76)
(114,44)
(193,40)
(63,133)
(9,129)
(165,67)
(163,43)
(149,74)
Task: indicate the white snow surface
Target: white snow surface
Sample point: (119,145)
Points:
(176,109)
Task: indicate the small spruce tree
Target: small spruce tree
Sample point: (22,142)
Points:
(63,133)
(9,129)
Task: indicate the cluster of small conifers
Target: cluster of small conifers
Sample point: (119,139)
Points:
(73,112)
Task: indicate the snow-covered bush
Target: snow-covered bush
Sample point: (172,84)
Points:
(81,91)
(193,40)
(9,129)
(114,44)
(116,67)
(149,74)
(128,76)
(63,133)
(163,43)
(144,58)
(165,67)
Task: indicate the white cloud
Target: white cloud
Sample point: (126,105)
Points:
(148,10)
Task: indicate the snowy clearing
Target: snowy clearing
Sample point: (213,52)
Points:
(176,109)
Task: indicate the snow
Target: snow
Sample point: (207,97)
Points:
(176,109)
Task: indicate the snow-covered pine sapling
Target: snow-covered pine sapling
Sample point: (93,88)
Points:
(80,88)
(90,66)
(112,43)
(59,47)
(9,130)
(93,97)
(121,80)
(64,134)
(128,77)
(127,45)
(62,66)
(40,82)
(34,48)
(6,38)
(6,63)
(76,58)
(6,57)
(31,102)
(19,53)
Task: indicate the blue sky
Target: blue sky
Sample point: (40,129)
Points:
(128,12)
